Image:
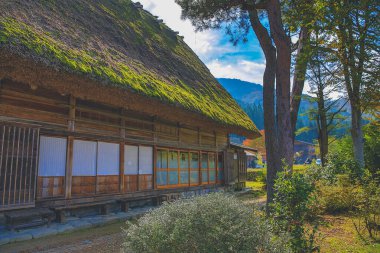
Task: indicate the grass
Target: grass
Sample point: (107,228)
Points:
(336,234)
(339,235)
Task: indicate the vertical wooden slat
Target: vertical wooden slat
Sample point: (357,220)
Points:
(35,170)
(69,166)
(16,168)
(31,166)
(11,169)
(22,173)
(6,163)
(26,164)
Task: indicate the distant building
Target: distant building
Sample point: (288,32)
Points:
(303,151)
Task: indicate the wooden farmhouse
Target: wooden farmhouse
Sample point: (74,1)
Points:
(101,102)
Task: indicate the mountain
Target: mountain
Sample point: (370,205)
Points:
(250,97)
(241,91)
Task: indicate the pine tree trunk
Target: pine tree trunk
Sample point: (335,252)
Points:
(357,134)
(323,135)
(283,64)
(271,143)
(299,75)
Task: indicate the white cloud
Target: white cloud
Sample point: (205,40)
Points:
(203,43)
(241,69)
(207,44)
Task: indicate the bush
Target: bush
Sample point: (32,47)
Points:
(341,197)
(211,223)
(293,208)
(369,208)
(257,175)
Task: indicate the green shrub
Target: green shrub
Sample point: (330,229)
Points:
(257,175)
(369,208)
(293,208)
(341,197)
(211,223)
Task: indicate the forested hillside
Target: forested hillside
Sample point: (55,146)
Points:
(250,97)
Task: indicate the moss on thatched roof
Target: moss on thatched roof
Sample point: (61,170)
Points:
(115,43)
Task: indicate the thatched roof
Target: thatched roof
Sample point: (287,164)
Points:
(117,44)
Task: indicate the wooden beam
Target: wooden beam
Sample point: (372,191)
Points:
(69,166)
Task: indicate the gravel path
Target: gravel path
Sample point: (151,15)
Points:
(100,239)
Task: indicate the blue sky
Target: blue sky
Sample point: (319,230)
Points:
(244,61)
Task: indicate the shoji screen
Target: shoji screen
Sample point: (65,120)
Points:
(108,167)
(138,168)
(173,167)
(184,168)
(145,168)
(84,168)
(204,168)
(194,168)
(51,166)
(131,159)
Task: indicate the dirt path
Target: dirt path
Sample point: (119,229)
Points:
(101,239)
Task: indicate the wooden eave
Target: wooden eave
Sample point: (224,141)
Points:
(26,70)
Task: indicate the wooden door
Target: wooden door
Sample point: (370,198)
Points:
(18,165)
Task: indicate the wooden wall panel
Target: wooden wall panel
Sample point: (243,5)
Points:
(107,184)
(49,187)
(207,139)
(83,185)
(41,105)
(130,183)
(189,136)
(145,182)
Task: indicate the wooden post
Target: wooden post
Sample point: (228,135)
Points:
(121,166)
(121,151)
(122,124)
(199,136)
(69,166)
(154,185)
(71,121)
(179,135)
(215,140)
(70,148)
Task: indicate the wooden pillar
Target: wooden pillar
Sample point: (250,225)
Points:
(70,147)
(71,121)
(179,135)
(69,166)
(121,166)
(121,151)
(215,140)
(122,123)
(199,136)
(154,185)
